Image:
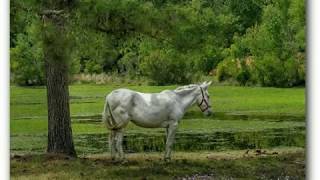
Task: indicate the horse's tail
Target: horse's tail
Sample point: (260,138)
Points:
(107,116)
(104,113)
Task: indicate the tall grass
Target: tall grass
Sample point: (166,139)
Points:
(103,78)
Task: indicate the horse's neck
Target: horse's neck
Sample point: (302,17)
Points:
(188,97)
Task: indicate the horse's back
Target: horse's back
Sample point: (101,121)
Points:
(144,109)
(119,95)
(138,98)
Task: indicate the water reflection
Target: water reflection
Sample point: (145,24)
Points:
(217,116)
(186,141)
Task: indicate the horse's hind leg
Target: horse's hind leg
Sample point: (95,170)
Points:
(112,144)
(121,118)
(119,142)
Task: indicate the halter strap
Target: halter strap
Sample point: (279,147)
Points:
(203,101)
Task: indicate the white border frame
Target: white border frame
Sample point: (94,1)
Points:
(4,93)
(313,77)
(312,87)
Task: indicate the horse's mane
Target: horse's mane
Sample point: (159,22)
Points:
(185,88)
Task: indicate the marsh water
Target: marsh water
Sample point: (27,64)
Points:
(186,139)
(197,140)
(142,142)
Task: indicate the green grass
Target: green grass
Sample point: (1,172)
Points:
(288,163)
(89,99)
(245,118)
(262,108)
(39,126)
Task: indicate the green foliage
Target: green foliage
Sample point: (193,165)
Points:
(227,69)
(244,76)
(270,70)
(276,46)
(277,61)
(26,62)
(165,67)
(183,37)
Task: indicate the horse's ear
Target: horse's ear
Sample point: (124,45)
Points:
(207,83)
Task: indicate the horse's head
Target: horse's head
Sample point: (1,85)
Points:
(203,99)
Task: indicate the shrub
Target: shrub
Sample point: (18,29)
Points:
(166,67)
(227,69)
(294,72)
(244,76)
(274,72)
(26,62)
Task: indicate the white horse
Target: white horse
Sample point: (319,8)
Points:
(151,110)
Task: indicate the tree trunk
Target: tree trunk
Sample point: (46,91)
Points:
(56,52)
(59,123)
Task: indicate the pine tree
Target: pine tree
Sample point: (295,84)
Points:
(56,53)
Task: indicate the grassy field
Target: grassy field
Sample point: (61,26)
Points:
(87,100)
(288,164)
(246,119)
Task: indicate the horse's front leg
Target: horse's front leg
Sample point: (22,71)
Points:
(171,132)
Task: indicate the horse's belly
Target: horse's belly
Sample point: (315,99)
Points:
(150,119)
(147,124)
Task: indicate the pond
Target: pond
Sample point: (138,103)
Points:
(188,141)
(238,132)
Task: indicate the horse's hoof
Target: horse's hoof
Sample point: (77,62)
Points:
(167,159)
(124,161)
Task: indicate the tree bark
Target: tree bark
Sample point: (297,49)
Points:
(59,122)
(56,52)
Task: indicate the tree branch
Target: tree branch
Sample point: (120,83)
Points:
(51,12)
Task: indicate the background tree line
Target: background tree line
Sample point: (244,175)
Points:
(254,42)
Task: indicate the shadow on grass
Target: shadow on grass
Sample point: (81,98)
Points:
(281,166)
